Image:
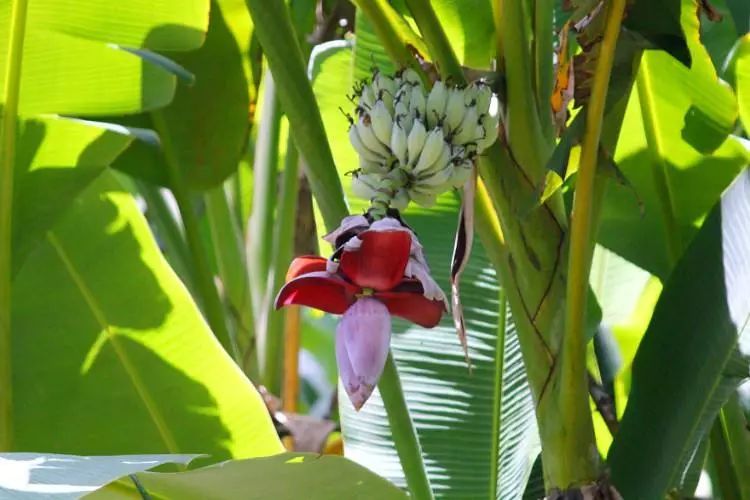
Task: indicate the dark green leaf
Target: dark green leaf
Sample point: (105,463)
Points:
(693,355)
(206,125)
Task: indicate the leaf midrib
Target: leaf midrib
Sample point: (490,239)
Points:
(127,364)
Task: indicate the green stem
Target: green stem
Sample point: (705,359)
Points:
(231,261)
(382,16)
(738,439)
(265,172)
(722,457)
(498,401)
(169,231)
(8,125)
(543,30)
(212,306)
(436,39)
(283,243)
(274,30)
(404,434)
(525,136)
(575,466)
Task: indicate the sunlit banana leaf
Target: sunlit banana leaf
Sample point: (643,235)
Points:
(73,58)
(287,475)
(36,476)
(45,182)
(477,439)
(676,183)
(110,354)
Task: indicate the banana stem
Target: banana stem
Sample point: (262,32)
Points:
(575,467)
(8,125)
(404,435)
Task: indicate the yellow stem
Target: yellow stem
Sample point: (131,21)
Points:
(573,389)
(8,124)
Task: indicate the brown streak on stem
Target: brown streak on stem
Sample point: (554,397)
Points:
(527,313)
(551,280)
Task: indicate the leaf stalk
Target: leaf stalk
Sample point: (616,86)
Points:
(577,466)
(8,128)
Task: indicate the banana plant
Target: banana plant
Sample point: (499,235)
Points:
(591,343)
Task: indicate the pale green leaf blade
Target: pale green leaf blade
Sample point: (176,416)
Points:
(37,476)
(287,475)
(120,356)
(693,355)
(72,60)
(57,159)
(152,24)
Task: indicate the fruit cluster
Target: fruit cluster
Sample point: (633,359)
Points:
(415,144)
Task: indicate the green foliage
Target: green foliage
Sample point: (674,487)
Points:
(681,381)
(121,356)
(71,476)
(663,152)
(76,60)
(287,475)
(206,124)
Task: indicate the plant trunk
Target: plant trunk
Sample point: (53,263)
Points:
(533,276)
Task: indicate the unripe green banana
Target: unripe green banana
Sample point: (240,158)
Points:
(365,186)
(436,103)
(372,167)
(436,179)
(400,200)
(487,131)
(441,162)
(467,130)
(398,142)
(383,83)
(367,134)
(484,95)
(403,97)
(359,146)
(410,77)
(431,151)
(471,93)
(366,99)
(422,198)
(415,143)
(454,110)
(382,122)
(461,173)
(418,102)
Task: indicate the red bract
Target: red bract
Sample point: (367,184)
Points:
(375,269)
(382,271)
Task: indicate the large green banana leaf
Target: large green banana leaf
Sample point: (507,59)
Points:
(111,355)
(39,476)
(78,57)
(478,439)
(676,183)
(286,475)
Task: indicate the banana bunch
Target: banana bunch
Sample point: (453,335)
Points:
(413,144)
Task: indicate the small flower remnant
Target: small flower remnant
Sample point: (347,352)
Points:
(378,270)
(415,144)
